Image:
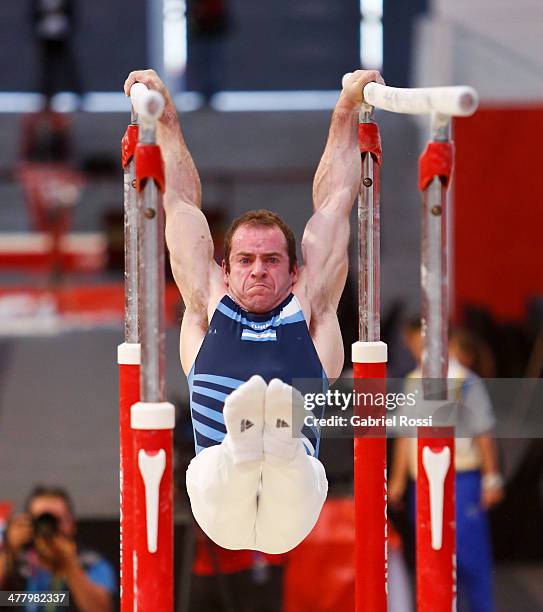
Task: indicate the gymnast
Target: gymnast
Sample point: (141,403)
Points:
(254,326)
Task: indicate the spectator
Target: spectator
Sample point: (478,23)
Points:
(41,554)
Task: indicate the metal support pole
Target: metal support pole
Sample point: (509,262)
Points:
(369,321)
(436,532)
(131,324)
(369,357)
(434,278)
(151,273)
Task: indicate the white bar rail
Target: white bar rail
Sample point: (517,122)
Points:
(458,101)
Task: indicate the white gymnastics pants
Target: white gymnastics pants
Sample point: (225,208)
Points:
(269,505)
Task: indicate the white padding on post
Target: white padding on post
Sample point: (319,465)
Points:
(147,415)
(129,354)
(369,352)
(436,465)
(152,468)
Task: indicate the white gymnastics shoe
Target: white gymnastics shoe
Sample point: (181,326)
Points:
(283,420)
(244,419)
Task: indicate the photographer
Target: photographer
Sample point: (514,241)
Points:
(40,554)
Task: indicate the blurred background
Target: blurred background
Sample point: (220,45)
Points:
(255,83)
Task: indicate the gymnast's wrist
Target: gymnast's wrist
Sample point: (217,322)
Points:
(347,104)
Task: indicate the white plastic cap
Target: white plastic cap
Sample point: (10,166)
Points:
(129,354)
(369,352)
(149,416)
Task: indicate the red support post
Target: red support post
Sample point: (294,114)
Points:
(129,356)
(436,528)
(153,516)
(370,481)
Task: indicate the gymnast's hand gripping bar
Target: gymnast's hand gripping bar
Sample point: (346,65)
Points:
(458,101)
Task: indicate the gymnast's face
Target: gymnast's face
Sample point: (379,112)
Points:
(259,277)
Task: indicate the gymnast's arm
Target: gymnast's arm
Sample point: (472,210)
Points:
(326,236)
(187,232)
(339,168)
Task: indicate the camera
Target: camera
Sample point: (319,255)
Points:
(45,526)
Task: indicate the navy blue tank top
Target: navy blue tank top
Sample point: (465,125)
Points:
(240,344)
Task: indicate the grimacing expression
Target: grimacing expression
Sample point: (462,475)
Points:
(259,277)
